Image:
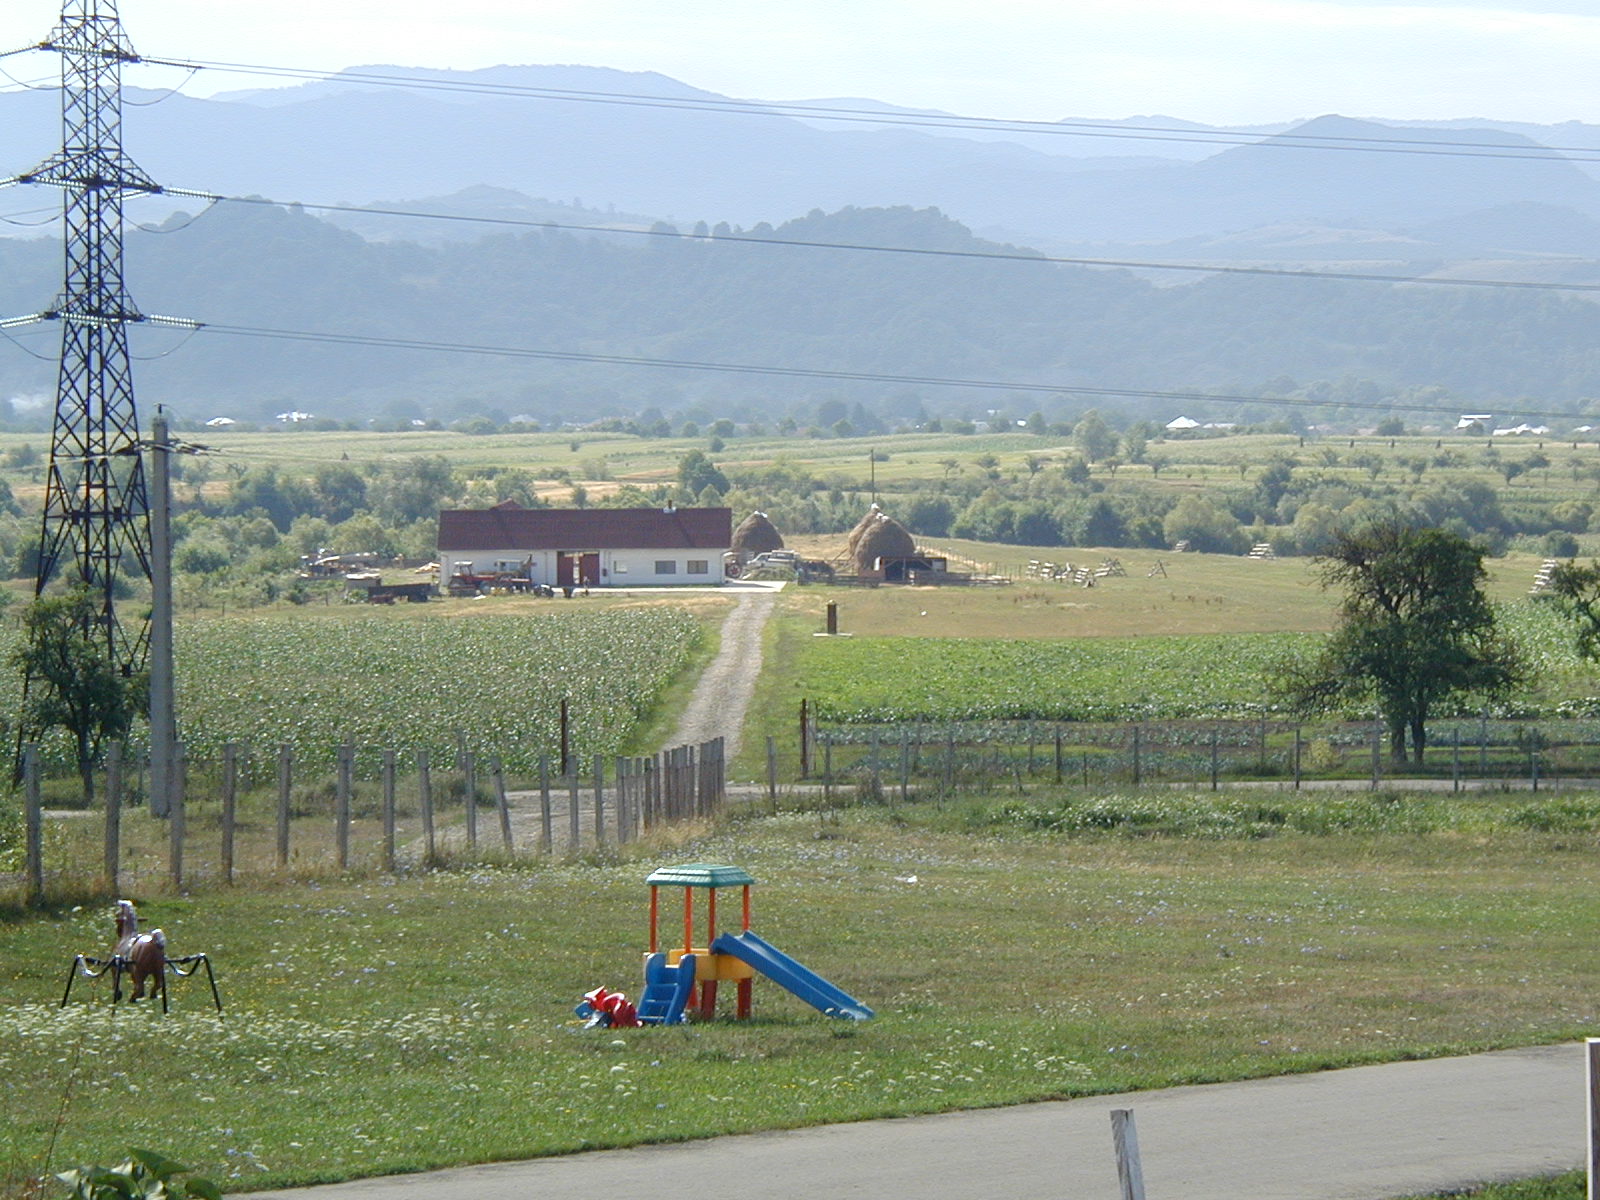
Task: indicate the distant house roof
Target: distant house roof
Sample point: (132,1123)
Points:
(509,526)
(1183,423)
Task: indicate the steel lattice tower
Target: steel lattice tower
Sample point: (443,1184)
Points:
(96,513)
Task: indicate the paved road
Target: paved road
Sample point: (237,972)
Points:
(1358,1134)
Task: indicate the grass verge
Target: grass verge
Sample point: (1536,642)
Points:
(395,1024)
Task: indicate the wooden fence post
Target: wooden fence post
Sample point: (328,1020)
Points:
(1213,758)
(1297,758)
(113,814)
(341,807)
(230,797)
(425,803)
(623,806)
(388,810)
(33,829)
(175,814)
(469,785)
(546,833)
(574,826)
(772,768)
(805,740)
(500,802)
(1130,1174)
(285,780)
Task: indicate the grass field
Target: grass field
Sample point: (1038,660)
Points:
(392,1024)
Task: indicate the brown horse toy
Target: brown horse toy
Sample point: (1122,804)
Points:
(142,955)
(143,958)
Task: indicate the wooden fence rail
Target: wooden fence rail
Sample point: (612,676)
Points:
(273,814)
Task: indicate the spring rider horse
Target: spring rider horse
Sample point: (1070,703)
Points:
(142,957)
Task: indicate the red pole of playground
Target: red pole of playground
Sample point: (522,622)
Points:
(655,908)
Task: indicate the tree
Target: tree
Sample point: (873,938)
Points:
(75,685)
(1415,628)
(1093,436)
(696,472)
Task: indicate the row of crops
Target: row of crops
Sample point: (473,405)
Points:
(491,683)
(886,681)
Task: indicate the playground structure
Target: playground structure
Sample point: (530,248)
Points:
(686,978)
(142,957)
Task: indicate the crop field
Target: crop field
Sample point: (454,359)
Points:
(411,681)
(894,679)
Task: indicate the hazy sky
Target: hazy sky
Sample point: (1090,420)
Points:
(1206,60)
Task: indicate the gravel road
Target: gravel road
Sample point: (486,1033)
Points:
(722,697)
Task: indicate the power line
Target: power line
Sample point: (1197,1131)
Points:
(1289,139)
(678,364)
(871,248)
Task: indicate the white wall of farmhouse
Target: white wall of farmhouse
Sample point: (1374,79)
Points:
(618,568)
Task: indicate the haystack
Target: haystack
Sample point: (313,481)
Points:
(755,535)
(884,538)
(860,531)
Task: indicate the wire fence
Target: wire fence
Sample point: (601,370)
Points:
(983,756)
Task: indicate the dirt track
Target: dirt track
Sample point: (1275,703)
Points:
(722,697)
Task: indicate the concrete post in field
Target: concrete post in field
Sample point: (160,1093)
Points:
(772,768)
(1130,1174)
(599,800)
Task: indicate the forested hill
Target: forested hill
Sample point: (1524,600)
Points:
(808,307)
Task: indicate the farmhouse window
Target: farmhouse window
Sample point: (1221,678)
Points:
(666,566)
(619,568)
(697,566)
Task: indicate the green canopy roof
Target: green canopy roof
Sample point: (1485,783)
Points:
(706,875)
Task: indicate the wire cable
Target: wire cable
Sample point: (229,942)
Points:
(1286,140)
(999,256)
(628,360)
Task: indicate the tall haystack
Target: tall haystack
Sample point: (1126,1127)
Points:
(755,535)
(884,538)
(860,531)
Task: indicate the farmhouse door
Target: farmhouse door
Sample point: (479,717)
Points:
(589,570)
(566,569)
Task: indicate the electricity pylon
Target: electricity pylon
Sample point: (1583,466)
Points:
(96,527)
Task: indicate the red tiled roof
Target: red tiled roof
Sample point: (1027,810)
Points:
(509,528)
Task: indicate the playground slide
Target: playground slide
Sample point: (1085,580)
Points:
(666,990)
(790,975)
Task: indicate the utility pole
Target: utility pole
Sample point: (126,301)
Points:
(163,711)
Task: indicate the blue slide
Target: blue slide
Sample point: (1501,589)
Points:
(666,990)
(790,975)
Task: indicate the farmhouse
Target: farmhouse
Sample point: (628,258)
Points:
(587,547)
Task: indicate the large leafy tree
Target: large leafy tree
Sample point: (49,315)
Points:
(1415,628)
(74,684)
(1576,591)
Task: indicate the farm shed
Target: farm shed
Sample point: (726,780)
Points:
(587,547)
